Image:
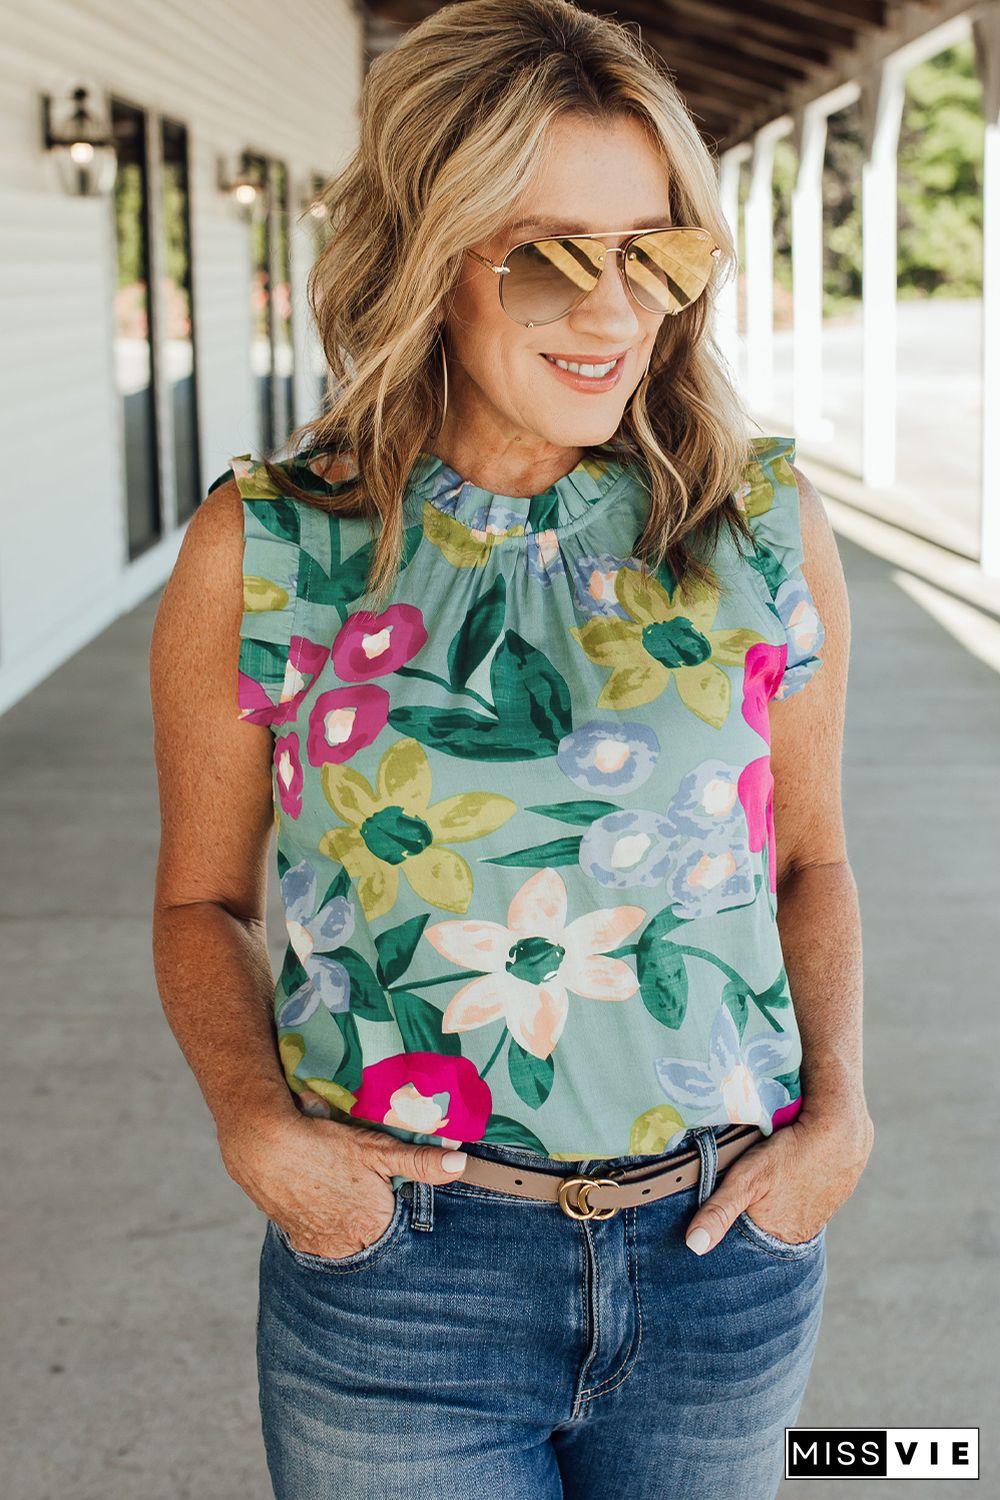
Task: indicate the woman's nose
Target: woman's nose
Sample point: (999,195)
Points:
(610,301)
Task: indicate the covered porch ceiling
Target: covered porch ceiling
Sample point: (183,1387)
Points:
(740,66)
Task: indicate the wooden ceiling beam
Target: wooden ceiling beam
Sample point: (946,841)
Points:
(764,20)
(795,47)
(723,62)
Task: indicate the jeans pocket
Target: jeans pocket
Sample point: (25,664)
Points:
(358,1258)
(762,1239)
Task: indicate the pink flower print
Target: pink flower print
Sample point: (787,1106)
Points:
(369,645)
(255,705)
(288,774)
(756,789)
(344,720)
(424,1092)
(532,962)
(305,658)
(786,1114)
(763,667)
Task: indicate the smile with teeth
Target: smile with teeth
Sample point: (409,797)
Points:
(591,371)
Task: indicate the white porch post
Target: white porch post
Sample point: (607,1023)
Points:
(807,273)
(759,230)
(881,111)
(727,333)
(986,33)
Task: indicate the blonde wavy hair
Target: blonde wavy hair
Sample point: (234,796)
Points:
(453,127)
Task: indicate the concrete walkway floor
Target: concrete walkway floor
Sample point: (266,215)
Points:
(129,1257)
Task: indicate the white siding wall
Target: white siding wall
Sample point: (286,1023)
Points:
(281,79)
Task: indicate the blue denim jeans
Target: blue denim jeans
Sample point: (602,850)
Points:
(491,1348)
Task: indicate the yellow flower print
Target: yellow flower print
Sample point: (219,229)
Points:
(463,546)
(665,637)
(395,828)
(756,494)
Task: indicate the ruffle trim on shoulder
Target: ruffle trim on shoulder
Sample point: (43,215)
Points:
(276,664)
(770,498)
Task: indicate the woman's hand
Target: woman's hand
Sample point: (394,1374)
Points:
(792,1182)
(326,1184)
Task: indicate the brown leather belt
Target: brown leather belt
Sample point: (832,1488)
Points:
(601,1196)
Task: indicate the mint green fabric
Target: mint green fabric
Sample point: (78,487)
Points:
(524,814)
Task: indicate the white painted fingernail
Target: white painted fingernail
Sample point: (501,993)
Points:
(698,1240)
(454,1161)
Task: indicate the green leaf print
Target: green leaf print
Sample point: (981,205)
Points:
(420,1025)
(348,1075)
(264,661)
(736,998)
(559,852)
(479,630)
(470,736)
(663,981)
(767,564)
(340,886)
(348,580)
(280,517)
(791,1082)
(583,813)
(396,948)
(367,995)
(532,1077)
(528,692)
(293,975)
(508,1132)
(532,706)
(775,997)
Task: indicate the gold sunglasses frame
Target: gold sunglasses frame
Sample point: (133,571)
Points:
(596,234)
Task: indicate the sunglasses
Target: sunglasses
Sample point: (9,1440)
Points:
(664,269)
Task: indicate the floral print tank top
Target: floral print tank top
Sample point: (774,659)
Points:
(523,815)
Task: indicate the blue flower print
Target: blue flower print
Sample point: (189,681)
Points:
(736,1081)
(625,849)
(544,556)
(594,584)
(804,632)
(608,756)
(707,798)
(312,937)
(709,874)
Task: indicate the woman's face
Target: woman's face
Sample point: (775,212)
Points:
(504,394)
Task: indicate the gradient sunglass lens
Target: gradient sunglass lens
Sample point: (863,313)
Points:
(666,271)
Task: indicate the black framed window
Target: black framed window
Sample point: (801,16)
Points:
(133,328)
(178,315)
(281,306)
(272,350)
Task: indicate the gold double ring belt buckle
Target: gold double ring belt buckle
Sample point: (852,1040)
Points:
(584,1185)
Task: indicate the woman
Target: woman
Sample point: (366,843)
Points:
(536,792)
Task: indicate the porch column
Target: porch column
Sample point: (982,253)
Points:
(807,274)
(881,113)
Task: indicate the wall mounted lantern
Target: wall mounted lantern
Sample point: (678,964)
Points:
(244,188)
(311,200)
(81,145)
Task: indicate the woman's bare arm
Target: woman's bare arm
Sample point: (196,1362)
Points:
(326,1183)
(819,917)
(216,813)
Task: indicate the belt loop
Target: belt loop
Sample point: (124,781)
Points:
(704,1139)
(422,1216)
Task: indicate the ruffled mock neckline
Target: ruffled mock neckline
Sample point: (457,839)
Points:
(566,503)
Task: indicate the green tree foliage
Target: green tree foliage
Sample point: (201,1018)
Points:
(940,201)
